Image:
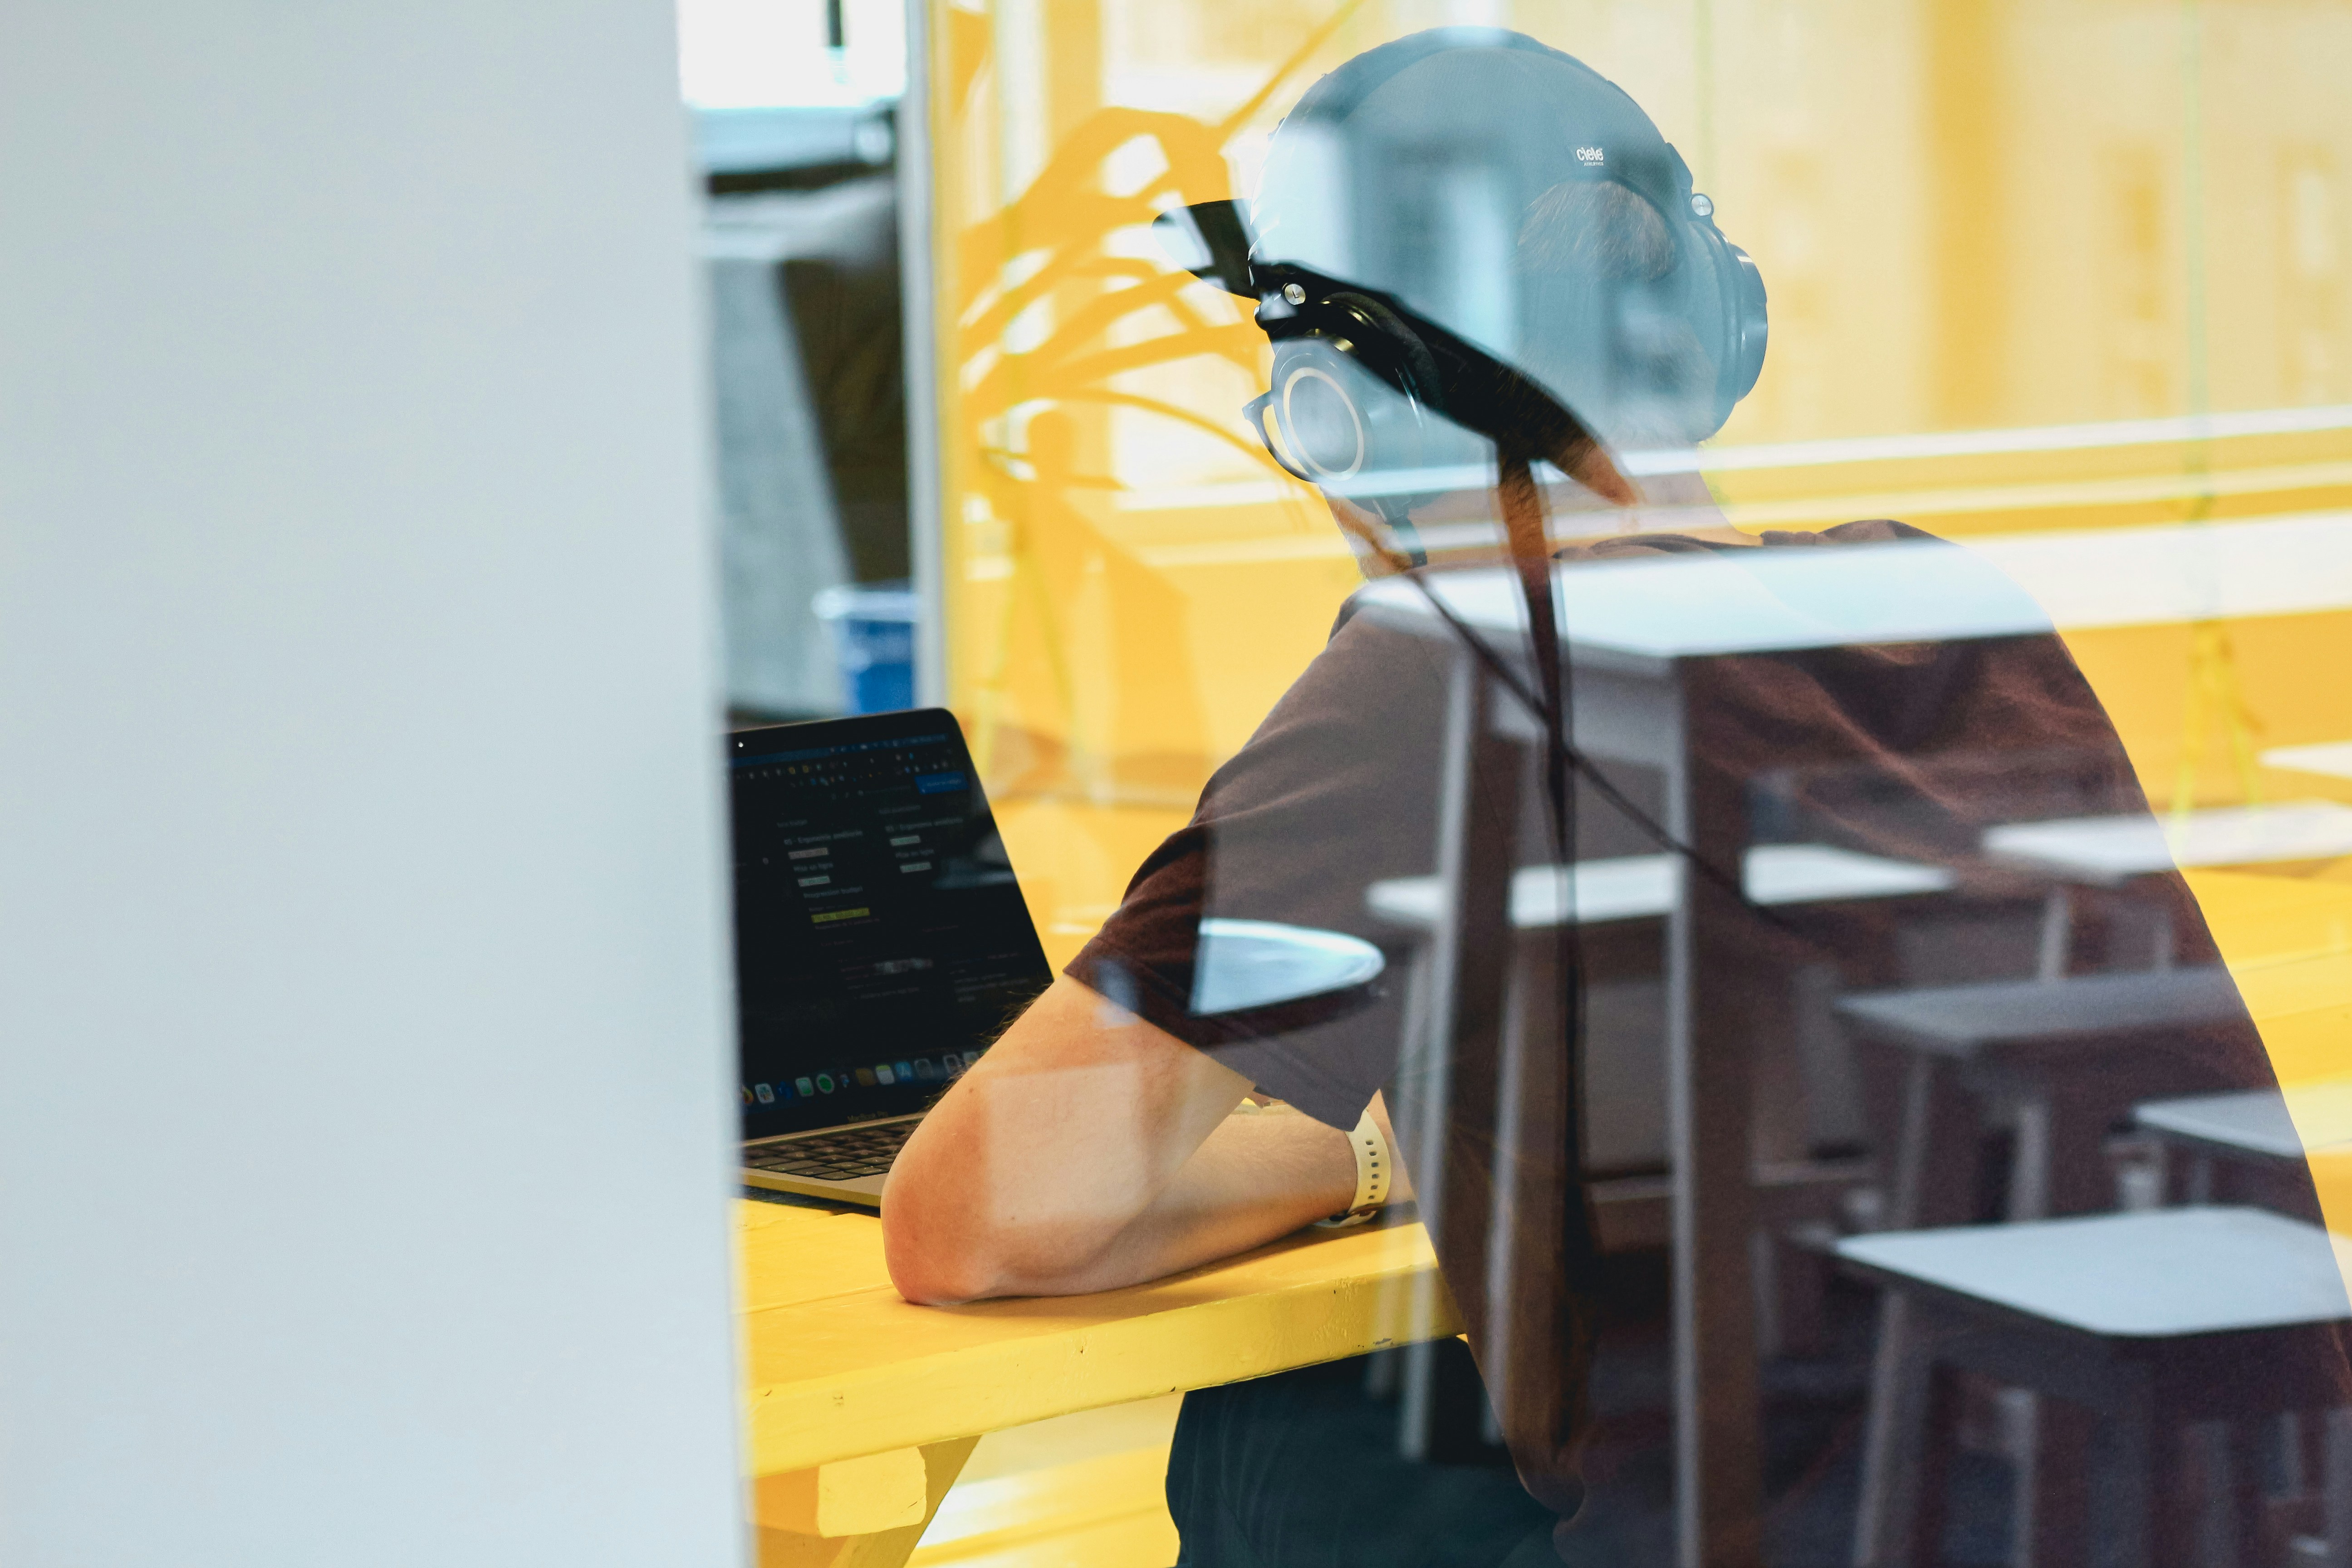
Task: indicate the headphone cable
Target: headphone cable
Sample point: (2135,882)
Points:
(1584,766)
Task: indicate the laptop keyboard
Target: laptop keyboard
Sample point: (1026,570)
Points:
(836,1156)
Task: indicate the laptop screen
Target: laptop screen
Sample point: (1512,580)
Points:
(881,941)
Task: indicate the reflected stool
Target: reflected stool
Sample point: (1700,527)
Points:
(2070,1055)
(2160,1341)
(2247,1147)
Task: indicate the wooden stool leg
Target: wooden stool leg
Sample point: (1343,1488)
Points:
(2188,1517)
(1417,1400)
(2125,1439)
(1932,1518)
(1800,1280)
(2289,1522)
(2296,1467)
(793,1538)
(1909,1434)
(2059,1165)
(2053,1493)
(2204,1500)
(2219,1498)
(2247,1498)
(1935,1152)
(2199,1185)
(2336,1489)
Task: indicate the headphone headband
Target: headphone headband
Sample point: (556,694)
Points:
(1601,134)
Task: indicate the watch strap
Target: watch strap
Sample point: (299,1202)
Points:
(1373,1166)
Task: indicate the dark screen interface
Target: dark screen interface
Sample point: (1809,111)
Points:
(881,941)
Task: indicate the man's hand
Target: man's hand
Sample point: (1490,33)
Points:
(1089,1150)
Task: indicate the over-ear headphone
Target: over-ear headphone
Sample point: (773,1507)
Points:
(1377,402)
(1731,320)
(1367,395)
(1352,407)
(1735,290)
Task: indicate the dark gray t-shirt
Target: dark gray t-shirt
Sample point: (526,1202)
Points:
(1909,753)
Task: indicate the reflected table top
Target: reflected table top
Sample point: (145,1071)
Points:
(1662,608)
(2107,850)
(1768,600)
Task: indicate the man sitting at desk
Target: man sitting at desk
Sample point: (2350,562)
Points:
(1474,187)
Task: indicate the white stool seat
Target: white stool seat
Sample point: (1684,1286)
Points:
(2160,1274)
(1643,886)
(2106,850)
(2333,758)
(1961,1020)
(2264,1124)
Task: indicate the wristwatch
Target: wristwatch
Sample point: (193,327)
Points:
(1372,1168)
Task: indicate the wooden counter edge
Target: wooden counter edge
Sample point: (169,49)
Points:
(1110,1358)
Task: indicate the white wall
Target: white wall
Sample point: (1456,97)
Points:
(363,1094)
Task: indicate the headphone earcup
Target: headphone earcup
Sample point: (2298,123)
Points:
(1335,424)
(1737,315)
(1347,393)
(1315,411)
(1345,414)
(1751,326)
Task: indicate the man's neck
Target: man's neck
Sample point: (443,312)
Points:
(1674,500)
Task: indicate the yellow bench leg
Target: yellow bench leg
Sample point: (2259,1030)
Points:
(866,1512)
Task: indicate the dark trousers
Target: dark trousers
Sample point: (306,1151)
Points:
(1301,1470)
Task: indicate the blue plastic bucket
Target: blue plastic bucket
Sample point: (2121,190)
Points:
(873,629)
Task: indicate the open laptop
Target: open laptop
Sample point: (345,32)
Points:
(881,941)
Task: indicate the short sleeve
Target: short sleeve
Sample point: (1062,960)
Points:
(1336,792)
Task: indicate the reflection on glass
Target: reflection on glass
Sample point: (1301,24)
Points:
(1853,1004)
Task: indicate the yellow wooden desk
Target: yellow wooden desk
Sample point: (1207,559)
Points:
(863,1408)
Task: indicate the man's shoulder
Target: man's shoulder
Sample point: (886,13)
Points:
(1731,542)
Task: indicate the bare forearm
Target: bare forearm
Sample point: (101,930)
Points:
(1088,1151)
(1254,1179)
